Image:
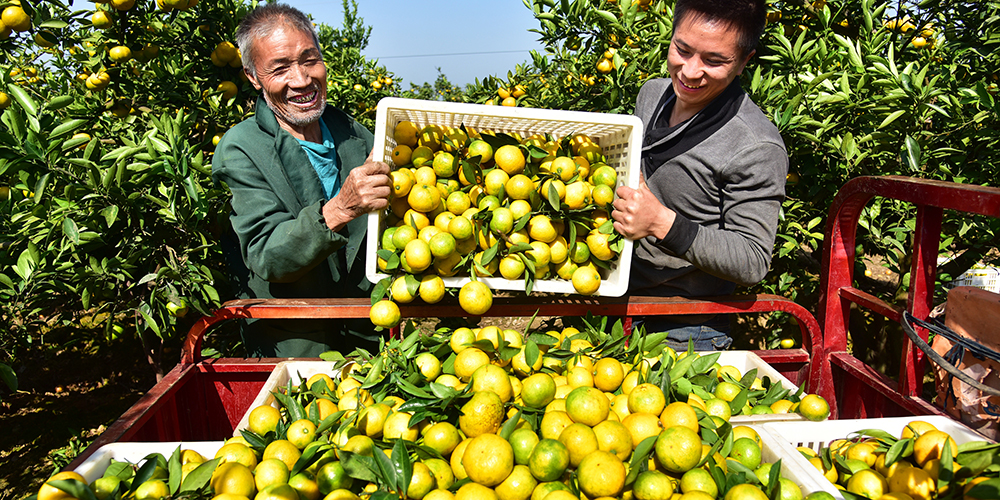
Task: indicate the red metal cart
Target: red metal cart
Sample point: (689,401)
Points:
(854,389)
(204,399)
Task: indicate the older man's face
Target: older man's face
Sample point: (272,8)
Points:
(291,73)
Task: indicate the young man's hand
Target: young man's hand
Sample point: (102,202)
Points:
(637,213)
(366,189)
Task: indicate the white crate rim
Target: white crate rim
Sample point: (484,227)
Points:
(611,288)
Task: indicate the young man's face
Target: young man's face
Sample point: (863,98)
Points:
(291,73)
(703,59)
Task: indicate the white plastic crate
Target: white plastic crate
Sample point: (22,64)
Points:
(987,278)
(816,435)
(296,371)
(94,467)
(620,138)
(773,449)
(746,361)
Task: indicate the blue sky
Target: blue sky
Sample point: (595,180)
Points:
(411,38)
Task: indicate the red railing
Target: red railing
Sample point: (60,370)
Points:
(838,292)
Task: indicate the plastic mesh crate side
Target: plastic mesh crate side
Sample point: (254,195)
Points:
(986,278)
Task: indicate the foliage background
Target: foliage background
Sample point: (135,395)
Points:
(101,232)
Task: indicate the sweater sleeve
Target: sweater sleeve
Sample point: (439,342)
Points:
(753,188)
(277,244)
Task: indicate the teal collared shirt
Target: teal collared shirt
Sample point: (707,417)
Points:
(323,158)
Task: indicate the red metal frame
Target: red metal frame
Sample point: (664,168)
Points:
(833,370)
(205,399)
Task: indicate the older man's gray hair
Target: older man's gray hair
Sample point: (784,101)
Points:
(263,21)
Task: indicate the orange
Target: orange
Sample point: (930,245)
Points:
(494,379)
(264,419)
(613,437)
(553,423)
(469,360)
(653,485)
(49,492)
(745,492)
(601,474)
(234,478)
(482,414)
(518,485)
(444,477)
(509,158)
(682,414)
(747,452)
(641,426)
(916,428)
(930,446)
(587,405)
(238,453)
(475,491)
(523,441)
(538,390)
(488,459)
(333,476)
(422,481)
(580,440)
(397,426)
(678,449)
(869,483)
(646,398)
(282,450)
(548,460)
(475,298)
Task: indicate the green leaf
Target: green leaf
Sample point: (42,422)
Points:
(24,99)
(199,478)
(402,466)
(76,489)
(174,471)
(66,127)
(531,352)
(639,457)
(892,117)
(912,153)
(71,230)
(8,376)
(59,102)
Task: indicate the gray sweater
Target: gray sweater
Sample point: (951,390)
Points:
(731,186)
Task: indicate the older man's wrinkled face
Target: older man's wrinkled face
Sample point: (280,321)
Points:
(291,73)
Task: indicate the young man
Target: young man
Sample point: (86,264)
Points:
(302,181)
(705,216)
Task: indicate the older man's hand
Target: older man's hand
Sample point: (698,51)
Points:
(637,213)
(366,189)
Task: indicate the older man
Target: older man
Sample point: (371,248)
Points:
(705,216)
(302,180)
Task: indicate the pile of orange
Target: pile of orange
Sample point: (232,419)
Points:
(479,203)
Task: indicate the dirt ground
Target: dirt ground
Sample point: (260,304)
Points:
(65,400)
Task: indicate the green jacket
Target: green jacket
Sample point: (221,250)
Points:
(280,246)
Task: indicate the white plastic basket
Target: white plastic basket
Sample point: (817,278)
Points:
(987,278)
(95,465)
(773,449)
(619,136)
(746,361)
(295,371)
(816,435)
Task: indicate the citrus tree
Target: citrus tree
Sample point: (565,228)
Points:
(110,114)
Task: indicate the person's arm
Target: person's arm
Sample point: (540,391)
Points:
(279,245)
(739,251)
